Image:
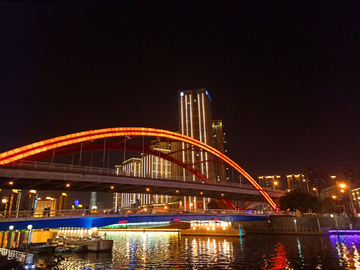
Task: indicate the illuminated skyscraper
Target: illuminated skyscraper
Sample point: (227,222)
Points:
(28,202)
(13,202)
(219,142)
(196,121)
(93,200)
(117,200)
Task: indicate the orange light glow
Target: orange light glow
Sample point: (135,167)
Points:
(112,187)
(67,185)
(61,141)
(11,183)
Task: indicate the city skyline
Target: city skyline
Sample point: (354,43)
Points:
(283,114)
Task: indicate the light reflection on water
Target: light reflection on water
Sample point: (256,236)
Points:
(137,250)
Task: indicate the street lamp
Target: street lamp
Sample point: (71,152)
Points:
(342,185)
(338,199)
(275,184)
(317,193)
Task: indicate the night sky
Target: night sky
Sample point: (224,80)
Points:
(283,76)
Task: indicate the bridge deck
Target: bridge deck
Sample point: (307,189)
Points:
(41,179)
(104,220)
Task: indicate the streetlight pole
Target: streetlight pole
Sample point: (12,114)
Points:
(350,198)
(317,193)
(307,184)
(338,199)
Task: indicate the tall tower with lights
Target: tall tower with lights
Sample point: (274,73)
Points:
(195,120)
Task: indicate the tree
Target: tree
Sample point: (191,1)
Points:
(328,206)
(300,200)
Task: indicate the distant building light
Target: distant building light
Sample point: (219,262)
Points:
(32,191)
(207,93)
(76,203)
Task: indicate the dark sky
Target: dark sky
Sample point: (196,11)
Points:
(283,76)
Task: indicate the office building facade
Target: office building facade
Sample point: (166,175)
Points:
(219,143)
(297,181)
(270,181)
(195,120)
(318,177)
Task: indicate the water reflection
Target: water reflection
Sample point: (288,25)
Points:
(138,250)
(346,250)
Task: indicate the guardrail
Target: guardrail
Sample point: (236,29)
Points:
(104,171)
(284,230)
(26,258)
(76,213)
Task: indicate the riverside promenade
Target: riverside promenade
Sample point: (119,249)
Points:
(314,225)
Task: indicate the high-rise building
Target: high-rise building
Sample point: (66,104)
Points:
(350,173)
(132,166)
(270,181)
(297,181)
(65,201)
(154,166)
(318,177)
(43,204)
(355,196)
(13,201)
(93,196)
(117,200)
(28,201)
(195,120)
(219,143)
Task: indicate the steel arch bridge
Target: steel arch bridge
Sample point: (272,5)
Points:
(63,145)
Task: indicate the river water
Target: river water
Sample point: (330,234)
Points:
(154,250)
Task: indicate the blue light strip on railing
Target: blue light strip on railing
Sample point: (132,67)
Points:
(345,231)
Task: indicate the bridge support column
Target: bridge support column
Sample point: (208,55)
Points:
(277,201)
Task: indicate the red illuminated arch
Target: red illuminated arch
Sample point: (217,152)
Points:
(67,140)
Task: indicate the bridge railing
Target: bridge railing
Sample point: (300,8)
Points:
(105,171)
(76,213)
(23,257)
